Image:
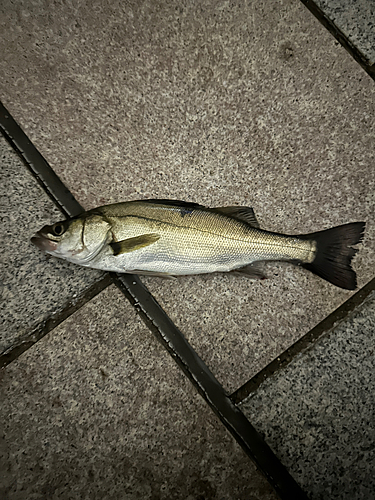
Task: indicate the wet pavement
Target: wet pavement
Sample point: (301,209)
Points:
(106,413)
(220,104)
(318,413)
(34,286)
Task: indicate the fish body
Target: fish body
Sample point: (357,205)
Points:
(172,238)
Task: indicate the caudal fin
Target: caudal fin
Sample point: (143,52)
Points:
(335,253)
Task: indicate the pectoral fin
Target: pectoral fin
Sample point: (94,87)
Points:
(132,244)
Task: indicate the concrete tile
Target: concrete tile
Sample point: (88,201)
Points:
(32,286)
(318,413)
(98,409)
(356,20)
(220,104)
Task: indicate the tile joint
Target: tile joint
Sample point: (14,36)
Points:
(340,37)
(161,325)
(305,343)
(48,324)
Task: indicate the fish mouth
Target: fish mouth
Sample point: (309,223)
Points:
(43,243)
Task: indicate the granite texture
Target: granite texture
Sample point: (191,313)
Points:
(250,104)
(33,287)
(318,413)
(356,20)
(97,409)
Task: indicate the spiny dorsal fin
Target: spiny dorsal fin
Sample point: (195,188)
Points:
(244,214)
(131,244)
(175,203)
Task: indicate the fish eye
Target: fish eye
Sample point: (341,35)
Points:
(58,229)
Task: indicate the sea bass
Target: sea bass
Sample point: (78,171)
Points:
(171,238)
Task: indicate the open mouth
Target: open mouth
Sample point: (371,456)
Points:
(43,243)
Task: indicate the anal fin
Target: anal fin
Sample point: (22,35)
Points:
(252,271)
(153,273)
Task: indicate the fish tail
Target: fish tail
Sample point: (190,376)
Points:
(334,254)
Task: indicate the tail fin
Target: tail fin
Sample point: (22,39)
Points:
(334,254)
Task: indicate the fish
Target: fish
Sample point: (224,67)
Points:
(172,238)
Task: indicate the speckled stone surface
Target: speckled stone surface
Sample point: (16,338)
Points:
(318,413)
(215,102)
(356,20)
(32,286)
(97,409)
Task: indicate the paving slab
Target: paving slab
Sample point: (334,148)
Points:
(33,287)
(98,409)
(215,103)
(318,413)
(356,20)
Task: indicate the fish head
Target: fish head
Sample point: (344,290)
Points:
(77,240)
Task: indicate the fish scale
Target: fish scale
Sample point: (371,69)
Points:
(206,229)
(171,238)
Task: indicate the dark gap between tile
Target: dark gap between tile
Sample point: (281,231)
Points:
(340,37)
(38,166)
(208,386)
(29,339)
(161,325)
(304,343)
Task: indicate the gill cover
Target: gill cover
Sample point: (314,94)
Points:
(95,233)
(78,240)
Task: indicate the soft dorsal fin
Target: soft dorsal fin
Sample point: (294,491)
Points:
(244,214)
(131,244)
